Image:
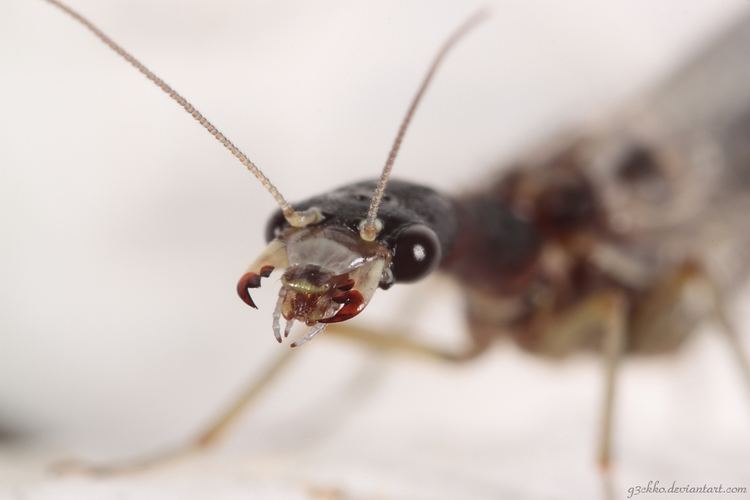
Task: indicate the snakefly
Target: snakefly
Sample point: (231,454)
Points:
(591,241)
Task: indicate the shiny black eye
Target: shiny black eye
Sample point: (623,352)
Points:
(274,225)
(416,253)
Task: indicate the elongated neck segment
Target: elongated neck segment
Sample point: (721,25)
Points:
(495,248)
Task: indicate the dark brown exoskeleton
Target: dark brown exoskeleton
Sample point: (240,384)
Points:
(591,242)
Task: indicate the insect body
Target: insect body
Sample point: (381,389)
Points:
(589,243)
(592,242)
(617,209)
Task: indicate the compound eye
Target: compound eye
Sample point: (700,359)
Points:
(416,253)
(275,224)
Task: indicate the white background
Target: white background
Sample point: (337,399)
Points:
(125,226)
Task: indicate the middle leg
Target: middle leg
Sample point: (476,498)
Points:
(602,315)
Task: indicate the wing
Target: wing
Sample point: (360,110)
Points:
(674,170)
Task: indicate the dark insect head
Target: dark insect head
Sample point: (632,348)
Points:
(330,272)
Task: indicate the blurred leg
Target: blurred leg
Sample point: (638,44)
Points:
(657,329)
(205,439)
(402,343)
(225,420)
(720,315)
(604,314)
(614,344)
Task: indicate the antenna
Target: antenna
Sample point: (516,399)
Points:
(295,218)
(370,229)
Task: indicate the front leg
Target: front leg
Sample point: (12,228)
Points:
(227,419)
(208,437)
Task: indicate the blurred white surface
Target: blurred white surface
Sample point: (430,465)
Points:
(125,226)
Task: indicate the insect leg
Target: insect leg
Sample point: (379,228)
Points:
(402,343)
(604,313)
(659,326)
(614,343)
(208,437)
(219,427)
(720,315)
(722,318)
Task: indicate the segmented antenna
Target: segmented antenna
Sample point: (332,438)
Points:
(370,229)
(295,218)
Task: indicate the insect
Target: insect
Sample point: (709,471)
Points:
(591,242)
